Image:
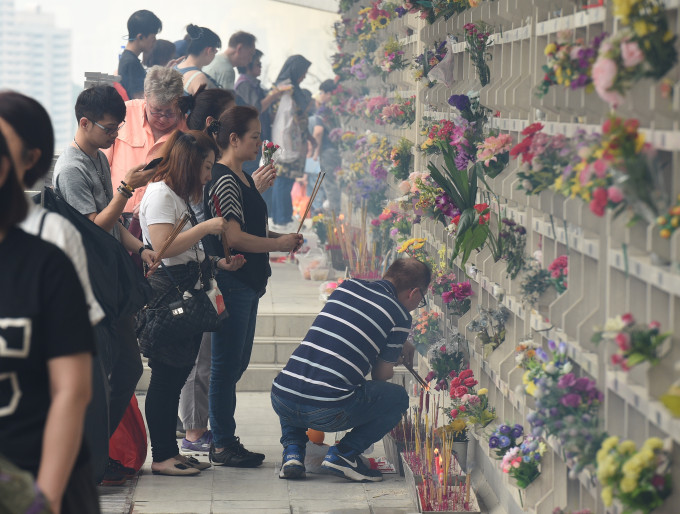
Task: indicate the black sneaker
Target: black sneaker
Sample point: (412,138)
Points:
(112,476)
(349,466)
(236,456)
(117,467)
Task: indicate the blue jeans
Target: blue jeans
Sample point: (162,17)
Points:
(231,348)
(374,410)
(282,203)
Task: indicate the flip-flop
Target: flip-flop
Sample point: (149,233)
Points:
(178,470)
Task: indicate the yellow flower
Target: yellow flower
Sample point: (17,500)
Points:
(639,142)
(653,443)
(610,443)
(550,49)
(668,36)
(607,496)
(530,387)
(627,446)
(458,425)
(482,391)
(628,484)
(606,468)
(642,28)
(558,183)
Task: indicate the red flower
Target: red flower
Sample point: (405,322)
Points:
(466,373)
(600,196)
(456,382)
(532,129)
(462,408)
(454,413)
(470,382)
(628,319)
(631,126)
(460,391)
(617,359)
(269,144)
(596,208)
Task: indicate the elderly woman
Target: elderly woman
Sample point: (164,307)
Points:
(148,124)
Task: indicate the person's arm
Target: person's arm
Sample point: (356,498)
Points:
(159,233)
(382,370)
(264,177)
(318,137)
(197,82)
(271,97)
(70,390)
(244,242)
(134,245)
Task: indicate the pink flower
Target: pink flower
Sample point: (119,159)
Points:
(617,359)
(654,325)
(454,413)
(404,187)
(628,319)
(614,194)
(462,408)
(375,222)
(623,341)
(442,348)
(631,54)
(604,72)
(600,166)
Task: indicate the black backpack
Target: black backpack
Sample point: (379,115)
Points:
(118,285)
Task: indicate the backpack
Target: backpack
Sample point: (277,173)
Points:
(120,288)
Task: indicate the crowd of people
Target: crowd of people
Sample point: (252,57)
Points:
(166,170)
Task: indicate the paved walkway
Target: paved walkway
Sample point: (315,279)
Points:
(232,490)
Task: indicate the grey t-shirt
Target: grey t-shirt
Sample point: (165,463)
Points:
(221,71)
(85,188)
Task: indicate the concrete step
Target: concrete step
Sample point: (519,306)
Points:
(268,350)
(258,377)
(283,324)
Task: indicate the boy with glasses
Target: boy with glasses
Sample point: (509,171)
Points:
(142,29)
(83,178)
(363,327)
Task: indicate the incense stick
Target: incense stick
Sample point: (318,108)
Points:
(225,243)
(417,377)
(317,185)
(173,235)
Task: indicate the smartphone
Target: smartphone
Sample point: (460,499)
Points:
(153,163)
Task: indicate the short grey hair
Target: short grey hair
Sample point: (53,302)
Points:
(165,85)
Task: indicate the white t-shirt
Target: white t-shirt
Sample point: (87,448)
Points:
(161,204)
(61,233)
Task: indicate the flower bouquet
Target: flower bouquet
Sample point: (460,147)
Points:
(401,158)
(505,438)
(390,57)
(636,343)
(473,407)
(514,238)
(442,280)
(446,360)
(414,248)
(534,283)
(546,366)
(559,269)
(477,37)
(643,47)
(268,151)
(425,331)
(424,62)
(437,133)
(493,155)
(525,353)
(522,462)
(457,298)
(402,112)
(490,328)
(667,224)
(639,479)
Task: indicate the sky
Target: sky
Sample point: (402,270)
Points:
(98,29)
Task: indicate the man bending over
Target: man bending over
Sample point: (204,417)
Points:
(362,328)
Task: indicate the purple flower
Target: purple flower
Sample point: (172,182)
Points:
(571,400)
(566,381)
(537,431)
(462,160)
(400,11)
(552,345)
(504,429)
(540,352)
(537,457)
(517,432)
(582,384)
(504,441)
(493,442)
(460,102)
(562,348)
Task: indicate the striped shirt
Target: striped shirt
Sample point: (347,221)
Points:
(360,322)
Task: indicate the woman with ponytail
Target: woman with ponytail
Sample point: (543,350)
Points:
(201,50)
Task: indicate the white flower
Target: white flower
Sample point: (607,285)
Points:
(550,368)
(614,326)
(567,367)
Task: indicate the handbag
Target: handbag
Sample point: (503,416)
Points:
(181,312)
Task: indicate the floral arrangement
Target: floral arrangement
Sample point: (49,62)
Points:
(469,129)
(394,222)
(559,269)
(360,68)
(667,224)
(402,112)
(427,198)
(493,155)
(414,248)
(535,281)
(442,280)
(432,10)
(643,47)
(556,363)
(639,479)
(390,57)
(514,239)
(490,327)
(439,133)
(525,353)
(636,342)
(371,20)
(423,63)
(425,331)
(504,438)
(569,63)
(268,151)
(567,407)
(319,227)
(401,158)
(457,298)
(472,407)
(477,37)
(446,361)
(522,462)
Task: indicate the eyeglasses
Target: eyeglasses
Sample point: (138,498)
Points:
(108,130)
(423,301)
(170,115)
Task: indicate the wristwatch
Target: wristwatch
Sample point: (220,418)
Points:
(141,250)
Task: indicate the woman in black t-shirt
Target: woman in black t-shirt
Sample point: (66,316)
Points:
(232,194)
(45,358)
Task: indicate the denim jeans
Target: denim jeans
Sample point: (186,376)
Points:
(282,203)
(231,348)
(375,409)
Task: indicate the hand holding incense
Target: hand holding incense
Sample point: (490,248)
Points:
(173,235)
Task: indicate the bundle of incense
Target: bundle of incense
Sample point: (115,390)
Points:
(225,243)
(317,185)
(417,377)
(175,232)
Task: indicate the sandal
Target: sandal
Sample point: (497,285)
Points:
(193,462)
(177,470)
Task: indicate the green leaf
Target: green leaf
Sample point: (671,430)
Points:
(635,358)
(597,338)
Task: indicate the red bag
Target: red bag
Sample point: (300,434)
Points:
(128,443)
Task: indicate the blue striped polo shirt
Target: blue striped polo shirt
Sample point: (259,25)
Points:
(360,322)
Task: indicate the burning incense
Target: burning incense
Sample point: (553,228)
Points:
(317,185)
(417,377)
(173,235)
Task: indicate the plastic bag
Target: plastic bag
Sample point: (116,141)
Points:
(314,258)
(443,71)
(286,130)
(128,443)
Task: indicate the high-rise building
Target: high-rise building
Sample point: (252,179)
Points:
(35,59)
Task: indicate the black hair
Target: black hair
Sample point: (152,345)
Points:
(32,124)
(201,38)
(241,38)
(208,102)
(162,53)
(97,101)
(143,22)
(243,69)
(13,206)
(234,121)
(328,86)
(407,274)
